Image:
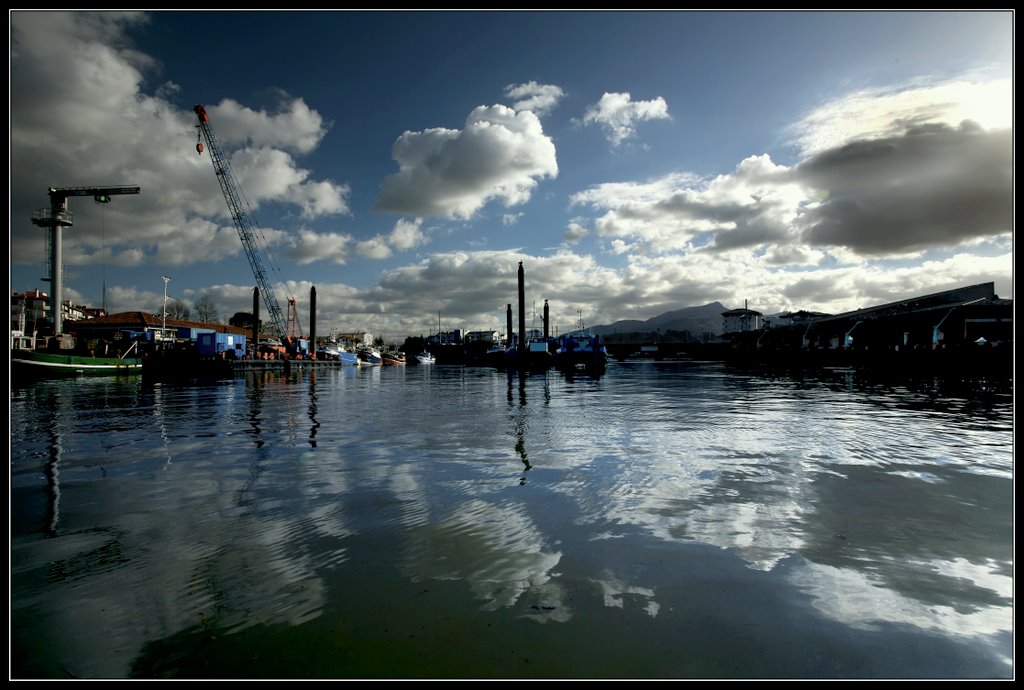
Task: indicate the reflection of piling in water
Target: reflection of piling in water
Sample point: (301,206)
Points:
(314,423)
(312,322)
(521,350)
(519,422)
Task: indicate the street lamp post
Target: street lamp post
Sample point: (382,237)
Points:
(163,328)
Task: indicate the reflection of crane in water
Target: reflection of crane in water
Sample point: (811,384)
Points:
(52,471)
(255,393)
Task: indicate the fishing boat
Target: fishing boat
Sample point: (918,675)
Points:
(393,358)
(68,363)
(426,358)
(335,350)
(497,356)
(369,356)
(537,356)
(580,350)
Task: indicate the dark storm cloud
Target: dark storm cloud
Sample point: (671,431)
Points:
(816,290)
(735,225)
(753,232)
(933,186)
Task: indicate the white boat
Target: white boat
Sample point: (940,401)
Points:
(425,358)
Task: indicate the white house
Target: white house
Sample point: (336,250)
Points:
(740,320)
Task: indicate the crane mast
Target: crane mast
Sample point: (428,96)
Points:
(57,217)
(243,223)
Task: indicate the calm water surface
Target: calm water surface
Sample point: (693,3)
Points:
(667,520)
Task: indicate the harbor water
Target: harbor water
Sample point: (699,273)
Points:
(663,520)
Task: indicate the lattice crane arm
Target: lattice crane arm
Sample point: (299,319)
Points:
(243,223)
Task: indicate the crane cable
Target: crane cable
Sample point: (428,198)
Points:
(265,245)
(103,247)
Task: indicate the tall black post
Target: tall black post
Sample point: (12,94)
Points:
(312,322)
(545,321)
(521,352)
(509,333)
(256,317)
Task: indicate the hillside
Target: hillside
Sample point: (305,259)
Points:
(695,320)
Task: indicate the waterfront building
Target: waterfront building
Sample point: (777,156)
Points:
(741,320)
(30,312)
(953,320)
(482,337)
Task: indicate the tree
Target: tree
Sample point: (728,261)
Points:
(177,309)
(206,310)
(242,319)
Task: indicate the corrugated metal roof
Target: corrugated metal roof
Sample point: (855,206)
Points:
(936,300)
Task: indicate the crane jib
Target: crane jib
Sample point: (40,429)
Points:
(65,192)
(243,224)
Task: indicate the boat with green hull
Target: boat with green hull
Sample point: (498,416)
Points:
(40,364)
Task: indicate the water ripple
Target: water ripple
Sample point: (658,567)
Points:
(152,511)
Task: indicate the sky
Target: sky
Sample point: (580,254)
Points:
(404,163)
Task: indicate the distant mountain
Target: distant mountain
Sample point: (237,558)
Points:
(696,320)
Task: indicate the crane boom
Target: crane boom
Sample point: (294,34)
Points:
(243,223)
(58,194)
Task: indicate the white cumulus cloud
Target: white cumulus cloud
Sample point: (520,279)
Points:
(404,236)
(268,174)
(407,234)
(618,114)
(575,232)
(540,98)
(500,155)
(312,246)
(374,248)
(296,126)
(753,206)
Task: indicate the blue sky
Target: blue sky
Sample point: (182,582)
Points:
(404,163)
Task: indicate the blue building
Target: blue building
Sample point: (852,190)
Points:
(213,344)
